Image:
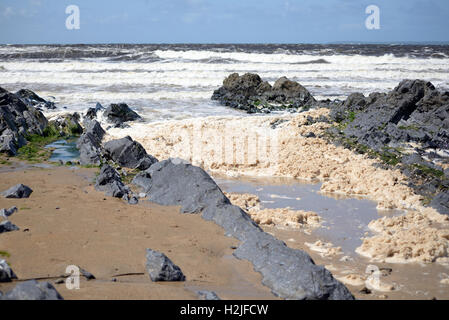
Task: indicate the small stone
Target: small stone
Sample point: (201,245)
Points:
(161,268)
(207,295)
(7,226)
(6,273)
(18,191)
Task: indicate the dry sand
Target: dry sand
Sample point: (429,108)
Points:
(65,222)
(278,147)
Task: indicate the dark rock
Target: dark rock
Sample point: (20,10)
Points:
(31,99)
(161,268)
(248,92)
(17,121)
(207,295)
(18,191)
(310,135)
(110,182)
(89,144)
(5,213)
(91,114)
(120,113)
(174,182)
(128,153)
(290,273)
(86,274)
(33,290)
(7,226)
(6,273)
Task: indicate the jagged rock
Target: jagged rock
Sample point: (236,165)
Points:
(110,182)
(128,153)
(7,226)
(18,191)
(6,273)
(120,113)
(441,202)
(143,181)
(31,99)
(17,121)
(33,290)
(89,144)
(248,92)
(5,213)
(207,295)
(161,268)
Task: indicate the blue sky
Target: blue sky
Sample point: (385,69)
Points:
(222,21)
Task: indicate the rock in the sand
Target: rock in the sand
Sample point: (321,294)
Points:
(131,198)
(161,268)
(110,182)
(128,153)
(5,213)
(33,100)
(120,113)
(6,273)
(174,182)
(89,144)
(207,295)
(18,191)
(291,274)
(33,290)
(248,92)
(17,121)
(86,274)
(7,226)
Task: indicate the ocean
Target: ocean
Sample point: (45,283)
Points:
(165,81)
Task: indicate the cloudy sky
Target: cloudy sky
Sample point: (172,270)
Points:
(223,21)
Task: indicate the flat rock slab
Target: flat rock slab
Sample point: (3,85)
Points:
(33,290)
(161,268)
(18,191)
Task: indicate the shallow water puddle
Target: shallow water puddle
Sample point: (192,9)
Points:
(345,219)
(345,222)
(64,150)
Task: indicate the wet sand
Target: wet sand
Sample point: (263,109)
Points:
(65,222)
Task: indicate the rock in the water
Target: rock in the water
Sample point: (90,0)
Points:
(17,121)
(7,226)
(33,290)
(18,191)
(441,202)
(33,100)
(248,92)
(5,213)
(207,295)
(174,182)
(89,144)
(161,268)
(110,182)
(120,113)
(128,153)
(6,273)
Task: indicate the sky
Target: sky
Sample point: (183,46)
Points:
(222,21)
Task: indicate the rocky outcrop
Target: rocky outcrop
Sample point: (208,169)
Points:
(414,116)
(18,191)
(6,273)
(128,153)
(290,273)
(31,99)
(120,113)
(17,122)
(248,92)
(89,144)
(161,268)
(33,290)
